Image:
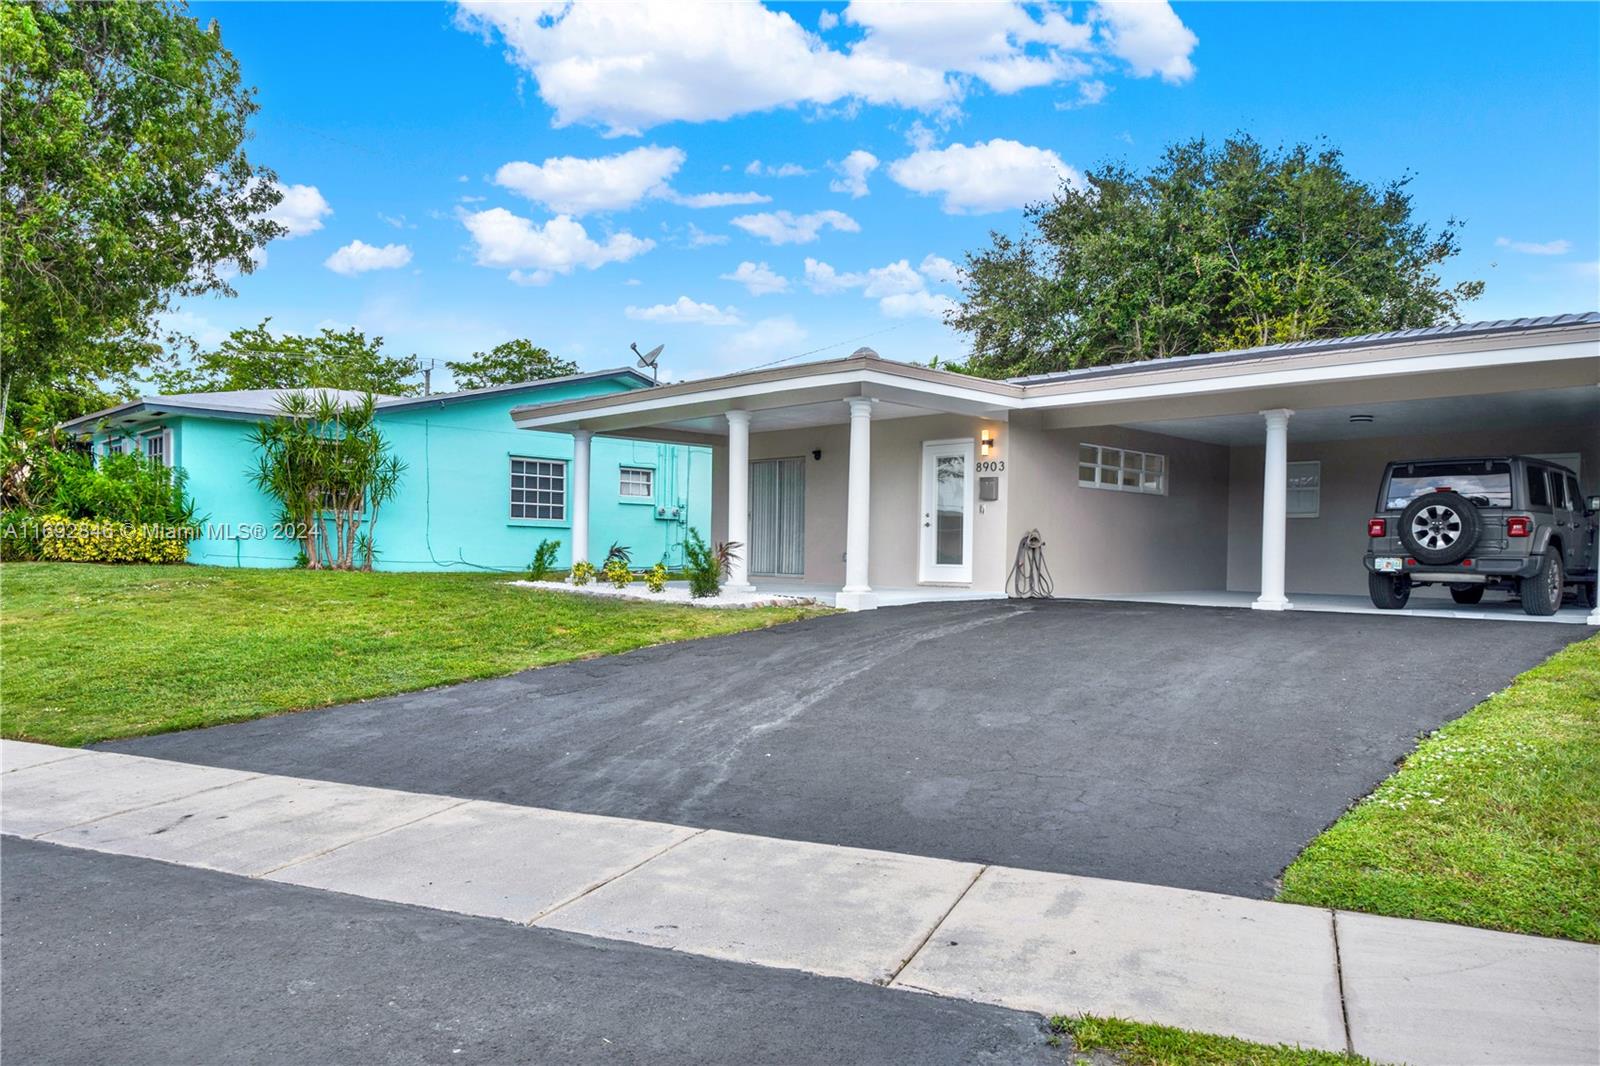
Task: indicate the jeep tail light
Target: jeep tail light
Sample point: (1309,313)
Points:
(1519,525)
(1377,527)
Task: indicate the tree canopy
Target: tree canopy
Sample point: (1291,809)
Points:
(253,357)
(1215,248)
(126,185)
(508,364)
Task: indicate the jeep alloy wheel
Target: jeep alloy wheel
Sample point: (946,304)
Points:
(1436,527)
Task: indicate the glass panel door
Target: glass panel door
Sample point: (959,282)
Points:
(949,518)
(946,517)
(778,517)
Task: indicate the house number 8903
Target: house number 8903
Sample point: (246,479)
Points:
(991,466)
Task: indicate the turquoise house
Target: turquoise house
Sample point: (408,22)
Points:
(477,493)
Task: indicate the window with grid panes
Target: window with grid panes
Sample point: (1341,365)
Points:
(1121,469)
(638,483)
(539,489)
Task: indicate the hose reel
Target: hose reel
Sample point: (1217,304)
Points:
(1030,577)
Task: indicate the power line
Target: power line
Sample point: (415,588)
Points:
(825,347)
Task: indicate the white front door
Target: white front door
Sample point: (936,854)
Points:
(946,511)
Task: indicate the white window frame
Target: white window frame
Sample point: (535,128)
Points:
(1128,461)
(1307,468)
(648,481)
(165,437)
(555,467)
(117,445)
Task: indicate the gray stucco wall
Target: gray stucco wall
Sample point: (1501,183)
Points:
(896,498)
(1324,553)
(1100,542)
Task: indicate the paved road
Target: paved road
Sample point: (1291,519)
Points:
(113,959)
(1188,746)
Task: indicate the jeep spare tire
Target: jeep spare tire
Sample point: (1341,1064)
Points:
(1440,528)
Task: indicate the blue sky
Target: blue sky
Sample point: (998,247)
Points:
(459,176)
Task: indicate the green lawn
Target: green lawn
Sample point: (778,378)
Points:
(96,652)
(1493,821)
(1136,1044)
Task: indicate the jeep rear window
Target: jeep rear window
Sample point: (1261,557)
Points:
(1485,484)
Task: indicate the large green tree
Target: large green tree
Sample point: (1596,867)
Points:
(508,364)
(126,185)
(1216,247)
(253,357)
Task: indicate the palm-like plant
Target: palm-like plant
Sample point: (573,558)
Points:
(331,468)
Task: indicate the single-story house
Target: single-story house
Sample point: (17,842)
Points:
(476,493)
(1243,477)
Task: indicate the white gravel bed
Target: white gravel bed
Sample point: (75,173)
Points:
(675,592)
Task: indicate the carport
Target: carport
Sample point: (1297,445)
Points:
(1240,478)
(1272,478)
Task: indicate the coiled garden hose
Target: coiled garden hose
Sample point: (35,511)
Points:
(1030,577)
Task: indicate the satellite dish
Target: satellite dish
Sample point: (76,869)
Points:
(648,359)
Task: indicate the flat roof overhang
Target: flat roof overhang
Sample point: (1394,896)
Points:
(782,398)
(1430,368)
(1411,372)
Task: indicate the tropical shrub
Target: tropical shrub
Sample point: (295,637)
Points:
(332,469)
(544,560)
(618,553)
(47,480)
(706,566)
(89,540)
(19,536)
(617,572)
(121,488)
(582,572)
(655,579)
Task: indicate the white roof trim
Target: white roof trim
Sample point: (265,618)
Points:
(1117,391)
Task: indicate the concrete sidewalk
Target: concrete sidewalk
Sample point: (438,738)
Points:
(1386,988)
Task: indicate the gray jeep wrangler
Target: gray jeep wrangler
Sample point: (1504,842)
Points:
(1503,522)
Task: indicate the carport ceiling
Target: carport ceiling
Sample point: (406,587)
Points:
(1539,407)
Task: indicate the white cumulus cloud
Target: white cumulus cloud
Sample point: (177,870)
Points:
(853,170)
(757,168)
(767,340)
(1561,247)
(758,278)
(358,257)
(716,199)
(301,210)
(940,271)
(1090,93)
(628,66)
(1149,37)
(569,185)
(558,246)
(823,279)
(782,227)
(685,310)
(983,177)
(900,289)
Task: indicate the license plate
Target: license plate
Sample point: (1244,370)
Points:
(1387,564)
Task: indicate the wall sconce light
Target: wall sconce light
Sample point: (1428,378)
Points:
(987,441)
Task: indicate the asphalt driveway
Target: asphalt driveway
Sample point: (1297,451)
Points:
(1188,746)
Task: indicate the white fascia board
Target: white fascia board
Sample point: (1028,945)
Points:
(849,382)
(1315,375)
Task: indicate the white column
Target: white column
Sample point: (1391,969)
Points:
(739,500)
(1274,512)
(857,594)
(578,493)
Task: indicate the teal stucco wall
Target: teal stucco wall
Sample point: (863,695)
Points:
(452,511)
